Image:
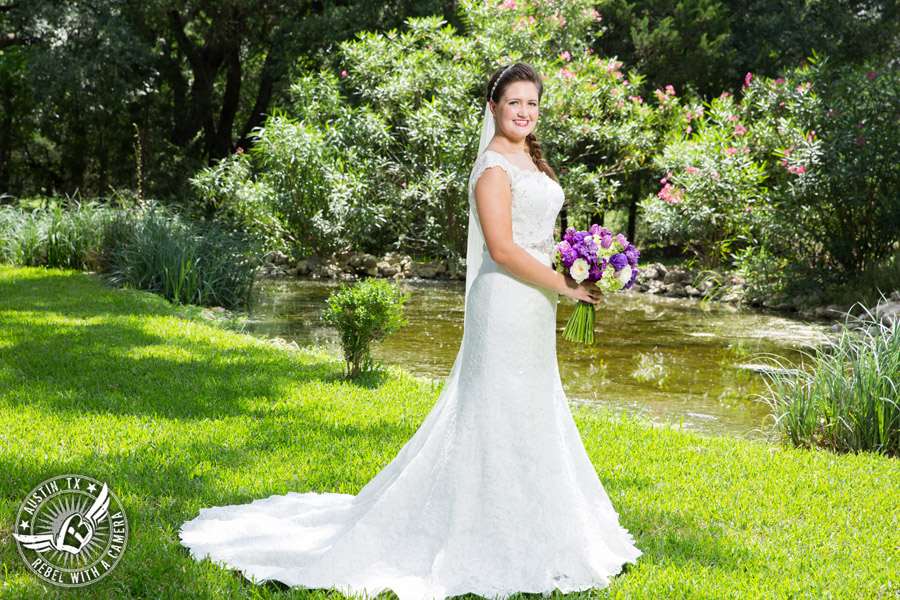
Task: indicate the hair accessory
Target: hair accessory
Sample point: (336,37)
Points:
(499,77)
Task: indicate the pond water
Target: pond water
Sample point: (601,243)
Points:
(671,360)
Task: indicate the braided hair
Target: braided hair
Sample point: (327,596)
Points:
(498,83)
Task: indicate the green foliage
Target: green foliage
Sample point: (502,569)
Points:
(184,262)
(149,249)
(684,44)
(712,182)
(65,234)
(368,311)
(797,182)
(709,45)
(849,400)
(196,76)
(386,134)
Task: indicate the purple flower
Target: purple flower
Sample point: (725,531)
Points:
(594,229)
(606,240)
(632,254)
(634,273)
(621,239)
(618,261)
(596,272)
(563,247)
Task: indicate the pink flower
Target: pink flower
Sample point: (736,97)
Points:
(871,74)
(670,194)
(724,95)
(830,111)
(565,55)
(636,99)
(688,130)
(739,129)
(670,90)
(509,3)
(691,170)
(748,78)
(566,73)
(343,73)
(239,150)
(784,164)
(733,118)
(858,125)
(731,150)
(403,185)
(779,81)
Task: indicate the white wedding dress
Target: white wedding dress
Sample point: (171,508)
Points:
(494,494)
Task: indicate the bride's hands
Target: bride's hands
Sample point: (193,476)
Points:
(586,290)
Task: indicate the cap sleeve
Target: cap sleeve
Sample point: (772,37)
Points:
(486,160)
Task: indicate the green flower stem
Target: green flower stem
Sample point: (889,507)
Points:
(580,328)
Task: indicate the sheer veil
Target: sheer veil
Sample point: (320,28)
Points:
(475,244)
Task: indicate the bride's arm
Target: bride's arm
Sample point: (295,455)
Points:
(493,201)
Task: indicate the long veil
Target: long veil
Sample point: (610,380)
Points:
(475,243)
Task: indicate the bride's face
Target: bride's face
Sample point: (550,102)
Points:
(517,110)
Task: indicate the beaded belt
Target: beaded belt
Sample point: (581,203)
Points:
(546,246)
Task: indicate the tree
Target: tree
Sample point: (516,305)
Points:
(197,76)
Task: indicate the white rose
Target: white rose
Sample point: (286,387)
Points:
(579,270)
(624,275)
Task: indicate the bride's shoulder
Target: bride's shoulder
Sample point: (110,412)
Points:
(486,160)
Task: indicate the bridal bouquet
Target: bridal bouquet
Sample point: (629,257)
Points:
(599,256)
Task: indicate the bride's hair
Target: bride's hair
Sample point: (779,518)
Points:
(499,81)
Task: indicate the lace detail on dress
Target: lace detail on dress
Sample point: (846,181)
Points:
(536,201)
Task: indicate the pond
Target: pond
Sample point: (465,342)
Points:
(671,360)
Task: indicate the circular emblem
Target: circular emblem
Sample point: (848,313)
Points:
(71,530)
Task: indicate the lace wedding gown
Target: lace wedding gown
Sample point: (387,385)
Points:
(494,494)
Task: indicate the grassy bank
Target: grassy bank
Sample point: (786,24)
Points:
(181,414)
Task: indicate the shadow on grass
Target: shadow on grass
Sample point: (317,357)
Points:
(100,355)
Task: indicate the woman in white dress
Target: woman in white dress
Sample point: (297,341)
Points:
(494,494)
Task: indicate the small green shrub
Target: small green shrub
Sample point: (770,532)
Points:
(368,311)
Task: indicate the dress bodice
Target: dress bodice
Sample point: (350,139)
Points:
(536,202)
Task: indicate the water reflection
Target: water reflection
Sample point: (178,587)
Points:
(666,358)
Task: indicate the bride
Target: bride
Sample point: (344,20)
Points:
(494,494)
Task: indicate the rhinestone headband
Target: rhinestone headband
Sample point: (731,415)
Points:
(499,77)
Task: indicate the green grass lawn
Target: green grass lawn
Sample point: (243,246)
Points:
(181,414)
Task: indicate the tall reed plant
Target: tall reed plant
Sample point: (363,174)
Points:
(183,261)
(846,399)
(147,248)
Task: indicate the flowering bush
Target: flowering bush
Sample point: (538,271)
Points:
(387,132)
(802,173)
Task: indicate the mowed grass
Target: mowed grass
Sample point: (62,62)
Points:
(177,414)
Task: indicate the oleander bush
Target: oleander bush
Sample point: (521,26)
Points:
(794,182)
(377,147)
